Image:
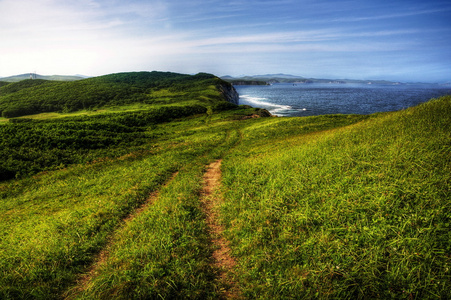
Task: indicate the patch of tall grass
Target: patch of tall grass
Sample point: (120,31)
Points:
(357,212)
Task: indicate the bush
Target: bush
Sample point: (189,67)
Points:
(18,112)
(224,105)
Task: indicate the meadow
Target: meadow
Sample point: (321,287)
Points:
(107,205)
(357,212)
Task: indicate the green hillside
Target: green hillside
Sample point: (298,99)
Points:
(3,83)
(10,88)
(360,212)
(113,204)
(147,88)
(128,102)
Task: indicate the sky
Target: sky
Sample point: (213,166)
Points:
(400,40)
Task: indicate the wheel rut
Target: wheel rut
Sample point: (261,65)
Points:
(221,257)
(84,280)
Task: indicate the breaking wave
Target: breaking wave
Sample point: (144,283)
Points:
(275,109)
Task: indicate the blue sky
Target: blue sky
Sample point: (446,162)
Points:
(395,40)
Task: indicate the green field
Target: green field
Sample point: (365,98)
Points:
(106,203)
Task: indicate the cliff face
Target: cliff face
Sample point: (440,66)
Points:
(229,93)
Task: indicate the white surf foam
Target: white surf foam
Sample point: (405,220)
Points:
(275,109)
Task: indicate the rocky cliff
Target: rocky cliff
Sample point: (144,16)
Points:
(229,92)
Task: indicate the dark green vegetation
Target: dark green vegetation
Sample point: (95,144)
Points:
(147,88)
(336,206)
(2,83)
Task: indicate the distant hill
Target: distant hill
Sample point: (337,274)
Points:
(246,82)
(21,77)
(286,78)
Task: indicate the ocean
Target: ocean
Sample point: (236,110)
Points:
(287,99)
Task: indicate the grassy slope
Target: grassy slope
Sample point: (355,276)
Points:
(129,102)
(49,234)
(358,211)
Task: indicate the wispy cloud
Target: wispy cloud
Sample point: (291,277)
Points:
(390,15)
(284,38)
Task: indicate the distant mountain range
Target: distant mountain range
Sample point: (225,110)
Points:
(286,78)
(21,77)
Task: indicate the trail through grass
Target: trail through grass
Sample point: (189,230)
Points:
(326,207)
(166,249)
(53,225)
(222,259)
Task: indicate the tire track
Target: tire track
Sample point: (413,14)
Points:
(83,282)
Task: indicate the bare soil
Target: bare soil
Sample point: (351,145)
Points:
(222,259)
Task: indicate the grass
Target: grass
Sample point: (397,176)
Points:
(49,234)
(163,251)
(355,212)
(335,206)
(54,224)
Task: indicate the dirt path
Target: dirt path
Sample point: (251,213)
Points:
(222,258)
(85,279)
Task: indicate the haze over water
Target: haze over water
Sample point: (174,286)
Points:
(286,99)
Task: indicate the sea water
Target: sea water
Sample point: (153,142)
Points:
(285,99)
